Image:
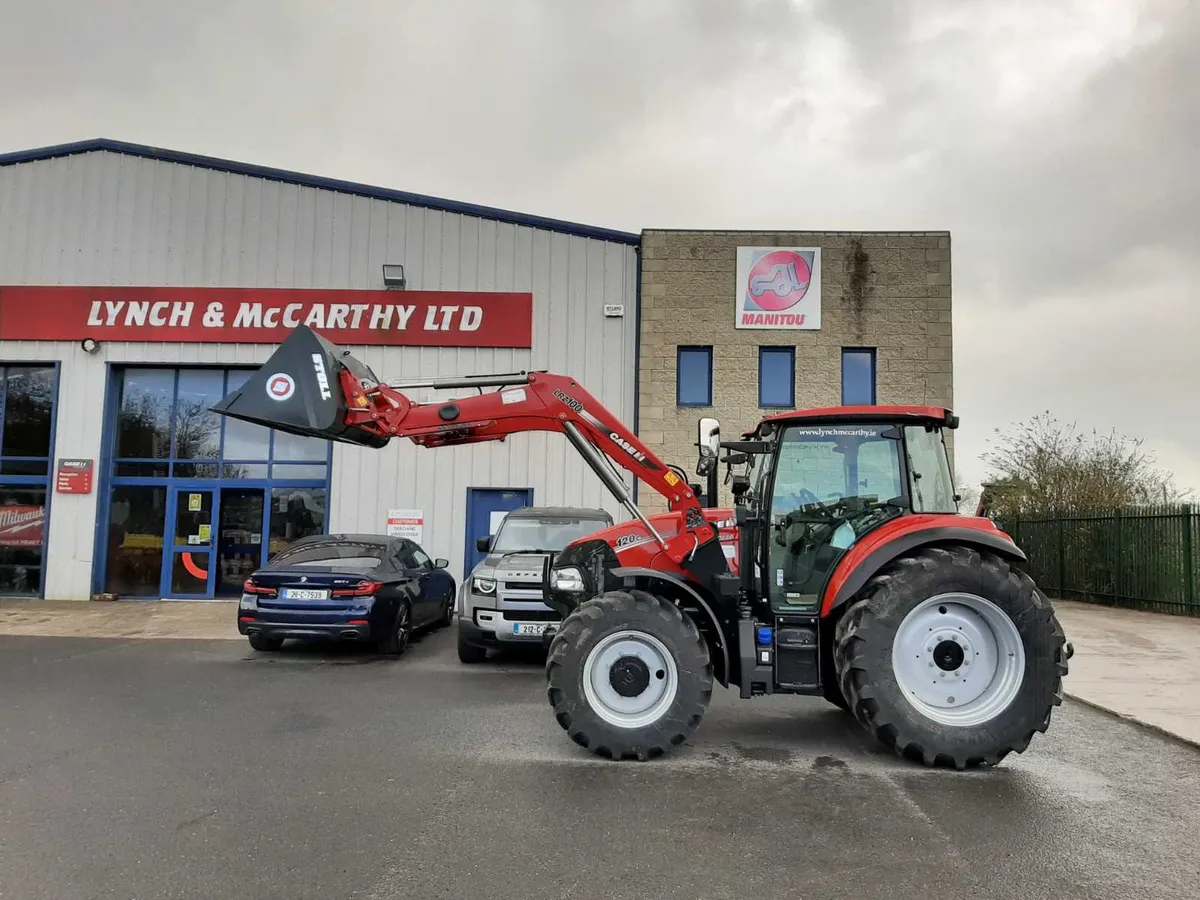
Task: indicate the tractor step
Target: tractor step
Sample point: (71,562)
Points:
(780,657)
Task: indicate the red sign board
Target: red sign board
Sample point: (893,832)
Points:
(255,316)
(74,476)
(22,526)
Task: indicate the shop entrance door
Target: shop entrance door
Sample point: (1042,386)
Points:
(189,572)
(241,538)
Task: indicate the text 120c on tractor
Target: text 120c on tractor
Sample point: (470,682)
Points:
(842,570)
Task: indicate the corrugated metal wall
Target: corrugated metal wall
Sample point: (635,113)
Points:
(111,219)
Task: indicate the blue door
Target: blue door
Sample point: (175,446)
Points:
(485,508)
(190,571)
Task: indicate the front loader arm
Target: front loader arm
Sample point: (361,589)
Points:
(541,401)
(311,387)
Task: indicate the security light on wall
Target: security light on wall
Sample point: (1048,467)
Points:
(393,275)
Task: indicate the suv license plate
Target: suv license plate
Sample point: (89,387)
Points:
(304,594)
(529,628)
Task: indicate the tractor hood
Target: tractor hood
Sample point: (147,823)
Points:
(298,390)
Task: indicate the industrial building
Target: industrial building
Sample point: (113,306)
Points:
(139,285)
(741,325)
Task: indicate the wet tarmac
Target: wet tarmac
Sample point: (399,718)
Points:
(155,768)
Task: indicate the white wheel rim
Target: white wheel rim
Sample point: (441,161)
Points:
(653,701)
(958,659)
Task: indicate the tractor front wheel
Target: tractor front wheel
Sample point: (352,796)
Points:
(628,675)
(952,657)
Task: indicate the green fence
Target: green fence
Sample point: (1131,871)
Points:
(1144,558)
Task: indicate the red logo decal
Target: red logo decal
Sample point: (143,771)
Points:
(280,386)
(778,280)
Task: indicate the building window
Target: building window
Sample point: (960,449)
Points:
(777,377)
(858,376)
(198,501)
(27,397)
(693,377)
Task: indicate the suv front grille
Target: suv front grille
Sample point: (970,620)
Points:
(530,615)
(526,586)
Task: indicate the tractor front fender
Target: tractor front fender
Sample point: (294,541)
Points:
(860,565)
(675,588)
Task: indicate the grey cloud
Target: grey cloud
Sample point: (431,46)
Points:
(1074,210)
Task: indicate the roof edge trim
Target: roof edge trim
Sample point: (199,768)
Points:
(322,183)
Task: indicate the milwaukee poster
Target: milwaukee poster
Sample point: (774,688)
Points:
(22,526)
(266,316)
(778,288)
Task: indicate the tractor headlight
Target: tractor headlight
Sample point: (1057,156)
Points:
(569,579)
(483,585)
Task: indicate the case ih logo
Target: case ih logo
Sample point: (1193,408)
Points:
(779,287)
(626,446)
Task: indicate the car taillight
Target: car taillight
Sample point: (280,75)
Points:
(363,589)
(251,588)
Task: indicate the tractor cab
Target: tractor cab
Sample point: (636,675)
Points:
(815,483)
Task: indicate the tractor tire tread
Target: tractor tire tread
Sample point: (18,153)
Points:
(868,702)
(564,671)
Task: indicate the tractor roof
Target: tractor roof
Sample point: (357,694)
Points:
(865,413)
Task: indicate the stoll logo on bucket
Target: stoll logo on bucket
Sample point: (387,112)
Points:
(779,287)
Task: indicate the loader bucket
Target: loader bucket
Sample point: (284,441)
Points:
(298,390)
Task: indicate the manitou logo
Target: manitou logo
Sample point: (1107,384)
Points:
(779,287)
(780,279)
(626,446)
(322,378)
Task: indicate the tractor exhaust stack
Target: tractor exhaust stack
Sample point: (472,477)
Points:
(298,390)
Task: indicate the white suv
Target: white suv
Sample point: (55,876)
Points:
(500,604)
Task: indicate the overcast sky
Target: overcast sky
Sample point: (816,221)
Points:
(1057,141)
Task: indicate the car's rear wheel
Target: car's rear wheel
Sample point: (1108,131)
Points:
(447,618)
(264,643)
(396,641)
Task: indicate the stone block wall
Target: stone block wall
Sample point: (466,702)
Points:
(888,291)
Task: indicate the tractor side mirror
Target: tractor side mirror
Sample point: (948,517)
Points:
(484,544)
(708,437)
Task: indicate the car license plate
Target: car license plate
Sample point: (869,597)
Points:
(529,628)
(304,594)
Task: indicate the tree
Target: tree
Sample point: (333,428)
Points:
(1043,466)
(968,499)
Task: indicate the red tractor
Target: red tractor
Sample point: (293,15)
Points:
(843,569)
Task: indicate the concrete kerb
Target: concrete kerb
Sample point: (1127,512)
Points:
(1132,720)
(1118,661)
(151,619)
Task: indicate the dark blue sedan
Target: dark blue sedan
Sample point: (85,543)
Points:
(347,587)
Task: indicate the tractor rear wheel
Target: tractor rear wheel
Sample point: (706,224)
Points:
(952,657)
(628,675)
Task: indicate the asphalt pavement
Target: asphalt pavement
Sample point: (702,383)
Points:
(201,769)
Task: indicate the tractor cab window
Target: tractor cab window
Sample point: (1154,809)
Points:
(832,484)
(932,486)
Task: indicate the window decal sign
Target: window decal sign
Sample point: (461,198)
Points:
(406,523)
(74,476)
(266,316)
(22,526)
(778,288)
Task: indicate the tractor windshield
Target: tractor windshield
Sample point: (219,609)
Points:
(832,484)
